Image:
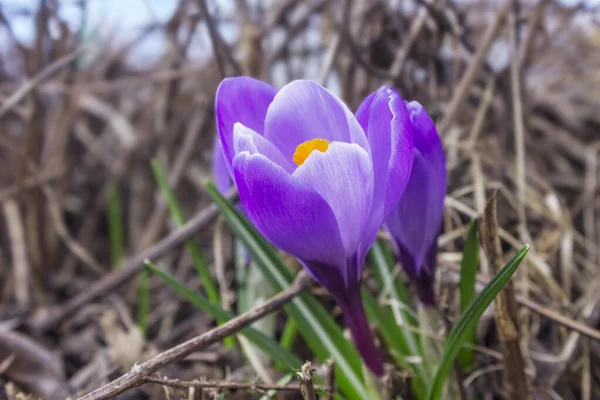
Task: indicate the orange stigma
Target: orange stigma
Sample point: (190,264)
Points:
(305,149)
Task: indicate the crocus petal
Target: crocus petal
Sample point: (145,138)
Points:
(408,222)
(245,139)
(430,145)
(291,215)
(343,176)
(219,168)
(302,111)
(416,222)
(243,100)
(385,119)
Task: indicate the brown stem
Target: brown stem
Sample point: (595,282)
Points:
(132,267)
(506,310)
(139,373)
(176,383)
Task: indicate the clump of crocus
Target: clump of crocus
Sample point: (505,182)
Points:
(316,180)
(416,221)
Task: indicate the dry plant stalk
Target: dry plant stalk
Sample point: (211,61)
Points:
(506,310)
(139,373)
(306,385)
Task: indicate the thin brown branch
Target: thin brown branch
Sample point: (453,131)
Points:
(473,69)
(257,387)
(130,269)
(506,310)
(31,84)
(30,183)
(330,380)
(354,50)
(139,373)
(21,265)
(217,41)
(546,312)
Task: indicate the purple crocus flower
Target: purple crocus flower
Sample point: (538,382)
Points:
(416,222)
(316,180)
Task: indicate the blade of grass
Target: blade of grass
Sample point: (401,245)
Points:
(289,334)
(468,274)
(191,246)
(197,258)
(383,261)
(467,319)
(253,290)
(115,226)
(266,344)
(318,329)
(383,264)
(392,336)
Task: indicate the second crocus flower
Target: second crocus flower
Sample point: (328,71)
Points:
(416,221)
(316,180)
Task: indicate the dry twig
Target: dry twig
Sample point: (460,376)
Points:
(140,372)
(515,381)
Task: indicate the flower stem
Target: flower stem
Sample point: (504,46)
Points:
(354,313)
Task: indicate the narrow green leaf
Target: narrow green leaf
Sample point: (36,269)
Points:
(115,226)
(318,329)
(252,290)
(190,245)
(289,334)
(393,337)
(266,344)
(468,275)
(383,261)
(468,319)
(408,342)
(144,300)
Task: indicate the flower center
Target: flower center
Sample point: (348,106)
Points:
(305,149)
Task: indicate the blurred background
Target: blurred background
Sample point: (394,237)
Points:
(92,90)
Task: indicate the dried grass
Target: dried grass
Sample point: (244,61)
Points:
(521,118)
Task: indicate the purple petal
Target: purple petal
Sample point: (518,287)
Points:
(289,214)
(245,139)
(243,100)
(428,142)
(343,176)
(219,168)
(302,111)
(354,313)
(416,222)
(385,119)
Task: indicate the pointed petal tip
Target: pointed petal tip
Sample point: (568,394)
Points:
(219,168)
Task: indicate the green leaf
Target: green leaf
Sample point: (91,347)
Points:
(468,275)
(190,245)
(468,319)
(266,344)
(407,342)
(115,226)
(318,329)
(392,336)
(289,334)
